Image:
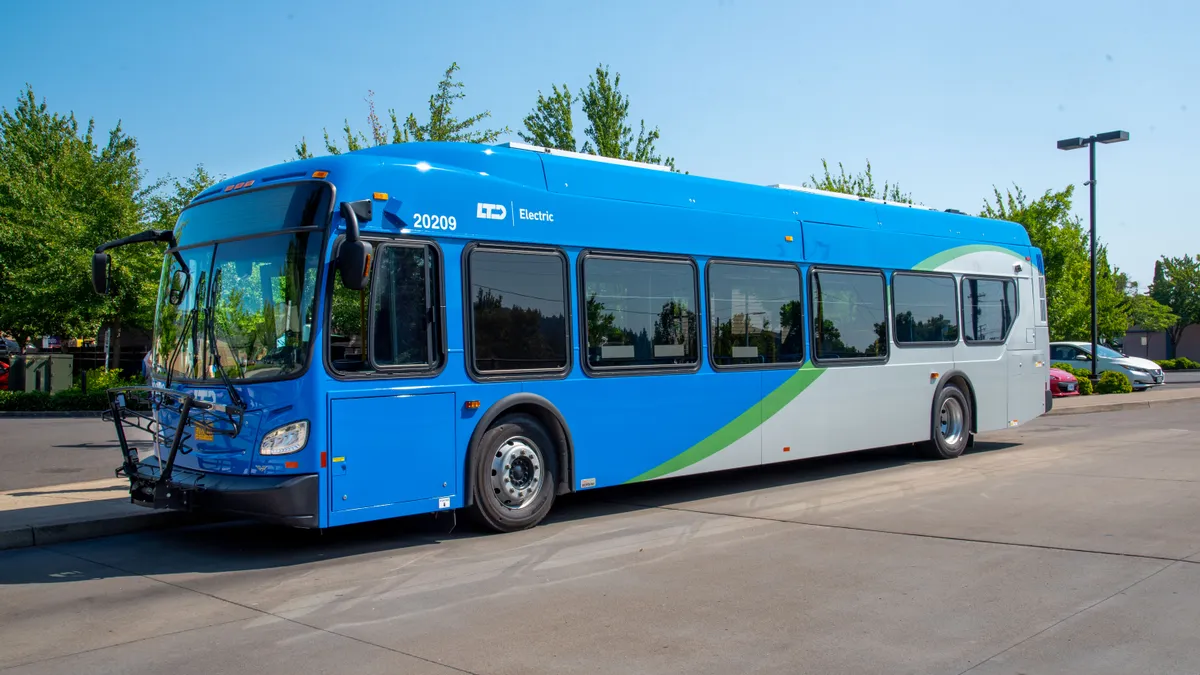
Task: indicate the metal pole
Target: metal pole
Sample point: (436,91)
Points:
(1092,186)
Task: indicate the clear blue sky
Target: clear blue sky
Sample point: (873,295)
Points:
(948,99)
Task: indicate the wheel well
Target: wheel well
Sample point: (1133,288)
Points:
(959,380)
(543,411)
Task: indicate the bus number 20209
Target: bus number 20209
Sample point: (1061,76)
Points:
(425,221)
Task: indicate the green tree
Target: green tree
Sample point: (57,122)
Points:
(609,131)
(1177,285)
(861,184)
(442,125)
(1065,252)
(164,206)
(61,195)
(1147,313)
(550,124)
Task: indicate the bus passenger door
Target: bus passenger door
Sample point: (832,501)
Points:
(1028,366)
(391,449)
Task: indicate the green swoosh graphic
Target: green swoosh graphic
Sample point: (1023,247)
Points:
(935,261)
(740,426)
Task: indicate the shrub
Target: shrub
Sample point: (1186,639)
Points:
(1083,384)
(1112,382)
(102,379)
(1167,364)
(1184,363)
(1082,377)
(24,401)
(71,400)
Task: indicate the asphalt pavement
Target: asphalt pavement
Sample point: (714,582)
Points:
(39,452)
(1069,545)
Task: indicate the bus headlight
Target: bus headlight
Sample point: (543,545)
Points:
(286,439)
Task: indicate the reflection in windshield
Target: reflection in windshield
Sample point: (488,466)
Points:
(261,304)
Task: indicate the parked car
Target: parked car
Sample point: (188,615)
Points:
(3,376)
(1063,383)
(8,349)
(1142,373)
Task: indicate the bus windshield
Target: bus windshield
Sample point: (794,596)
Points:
(250,299)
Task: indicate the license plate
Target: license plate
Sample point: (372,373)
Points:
(203,433)
(1070,387)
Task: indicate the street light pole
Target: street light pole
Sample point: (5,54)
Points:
(1092,189)
(1090,142)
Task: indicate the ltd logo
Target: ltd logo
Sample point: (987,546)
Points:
(491,211)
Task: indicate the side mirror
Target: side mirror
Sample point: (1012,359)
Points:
(179,284)
(1082,357)
(354,263)
(354,255)
(100,263)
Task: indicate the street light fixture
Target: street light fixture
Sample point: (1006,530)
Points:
(1090,143)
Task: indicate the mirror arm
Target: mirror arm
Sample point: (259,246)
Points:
(146,236)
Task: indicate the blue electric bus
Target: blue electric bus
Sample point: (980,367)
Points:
(423,327)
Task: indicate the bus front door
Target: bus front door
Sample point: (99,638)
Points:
(391,449)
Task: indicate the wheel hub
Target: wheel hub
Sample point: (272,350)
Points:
(951,421)
(517,473)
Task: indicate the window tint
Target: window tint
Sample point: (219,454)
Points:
(1042,298)
(755,314)
(850,319)
(925,309)
(1063,353)
(518,310)
(398,307)
(989,308)
(403,307)
(640,312)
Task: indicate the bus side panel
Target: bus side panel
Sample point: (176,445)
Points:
(647,426)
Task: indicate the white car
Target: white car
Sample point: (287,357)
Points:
(1142,373)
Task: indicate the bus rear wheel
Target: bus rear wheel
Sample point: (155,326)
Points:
(514,474)
(951,424)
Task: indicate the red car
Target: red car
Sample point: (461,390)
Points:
(3,375)
(1062,383)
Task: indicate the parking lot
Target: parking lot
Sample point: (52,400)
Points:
(1071,545)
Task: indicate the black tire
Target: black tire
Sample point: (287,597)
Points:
(950,425)
(532,465)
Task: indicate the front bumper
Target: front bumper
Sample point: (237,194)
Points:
(288,499)
(1148,380)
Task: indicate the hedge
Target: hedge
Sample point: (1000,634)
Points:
(1181,363)
(70,400)
(100,380)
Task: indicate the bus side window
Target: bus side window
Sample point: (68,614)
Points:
(397,307)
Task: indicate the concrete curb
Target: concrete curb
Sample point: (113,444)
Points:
(49,413)
(1121,405)
(58,533)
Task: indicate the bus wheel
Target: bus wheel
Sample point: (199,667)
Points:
(951,428)
(514,474)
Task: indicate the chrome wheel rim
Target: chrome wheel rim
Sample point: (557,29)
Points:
(517,473)
(951,421)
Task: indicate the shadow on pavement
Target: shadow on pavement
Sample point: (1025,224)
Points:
(230,546)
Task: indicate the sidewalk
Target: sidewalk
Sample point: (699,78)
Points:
(1076,405)
(48,515)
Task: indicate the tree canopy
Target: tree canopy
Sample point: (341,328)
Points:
(62,194)
(443,124)
(609,132)
(860,184)
(1177,285)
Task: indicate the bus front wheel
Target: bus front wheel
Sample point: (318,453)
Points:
(514,472)
(951,424)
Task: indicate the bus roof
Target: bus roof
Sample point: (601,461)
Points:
(575,174)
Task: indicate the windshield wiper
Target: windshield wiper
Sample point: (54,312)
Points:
(210,339)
